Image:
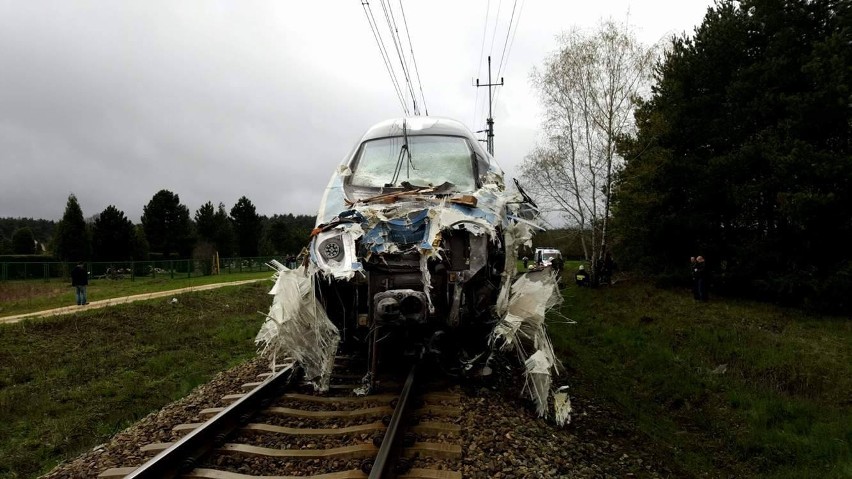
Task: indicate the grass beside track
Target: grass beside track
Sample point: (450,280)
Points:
(731,388)
(19,297)
(727,388)
(68,383)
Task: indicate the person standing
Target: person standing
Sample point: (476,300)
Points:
(700,279)
(692,270)
(557,264)
(581,276)
(79,280)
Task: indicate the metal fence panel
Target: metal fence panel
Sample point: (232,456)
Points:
(130,270)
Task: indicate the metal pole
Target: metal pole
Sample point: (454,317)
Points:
(490,117)
(489,131)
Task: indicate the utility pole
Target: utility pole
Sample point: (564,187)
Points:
(490,121)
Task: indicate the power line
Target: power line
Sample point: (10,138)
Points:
(399,52)
(368,12)
(413,58)
(491,47)
(479,65)
(494,34)
(511,43)
(506,42)
(504,60)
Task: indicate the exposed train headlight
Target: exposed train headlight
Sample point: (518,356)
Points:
(331,249)
(334,253)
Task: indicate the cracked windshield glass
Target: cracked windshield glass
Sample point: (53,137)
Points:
(434,161)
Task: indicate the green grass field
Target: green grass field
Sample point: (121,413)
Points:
(730,388)
(67,383)
(726,388)
(18,297)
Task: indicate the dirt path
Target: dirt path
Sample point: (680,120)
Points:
(122,300)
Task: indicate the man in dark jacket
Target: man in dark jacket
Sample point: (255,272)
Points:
(557,264)
(79,280)
(700,276)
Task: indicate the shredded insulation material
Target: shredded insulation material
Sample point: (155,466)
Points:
(297,328)
(522,329)
(561,408)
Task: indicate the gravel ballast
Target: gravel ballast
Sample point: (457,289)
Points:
(501,436)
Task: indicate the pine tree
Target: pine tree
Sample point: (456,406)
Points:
(23,241)
(168,228)
(112,236)
(72,240)
(247,227)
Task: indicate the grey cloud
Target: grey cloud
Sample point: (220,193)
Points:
(114,101)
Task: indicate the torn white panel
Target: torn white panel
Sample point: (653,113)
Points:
(297,326)
(522,329)
(427,281)
(537,371)
(514,235)
(561,408)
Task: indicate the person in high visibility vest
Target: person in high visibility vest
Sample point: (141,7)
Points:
(581,276)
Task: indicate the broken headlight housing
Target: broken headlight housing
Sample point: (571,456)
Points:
(334,252)
(331,249)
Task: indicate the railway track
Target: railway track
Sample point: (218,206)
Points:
(279,429)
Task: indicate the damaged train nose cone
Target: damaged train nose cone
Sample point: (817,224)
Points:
(414,250)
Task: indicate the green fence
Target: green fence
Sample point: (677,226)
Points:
(130,270)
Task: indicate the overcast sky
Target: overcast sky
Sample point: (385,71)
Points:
(213,100)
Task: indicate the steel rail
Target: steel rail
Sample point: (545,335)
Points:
(383,464)
(182,456)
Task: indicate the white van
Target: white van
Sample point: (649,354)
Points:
(544,256)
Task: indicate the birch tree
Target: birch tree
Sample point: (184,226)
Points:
(588,89)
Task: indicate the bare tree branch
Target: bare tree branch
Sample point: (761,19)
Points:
(589,89)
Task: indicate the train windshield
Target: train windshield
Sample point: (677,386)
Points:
(434,160)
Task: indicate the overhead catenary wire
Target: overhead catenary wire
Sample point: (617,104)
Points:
(484,107)
(413,58)
(505,55)
(494,32)
(511,31)
(368,12)
(479,65)
(391,21)
(506,42)
(505,66)
(409,91)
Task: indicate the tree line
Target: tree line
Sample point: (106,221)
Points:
(738,147)
(166,230)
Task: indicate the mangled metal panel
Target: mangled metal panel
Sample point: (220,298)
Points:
(414,257)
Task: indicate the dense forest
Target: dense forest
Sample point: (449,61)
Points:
(42,231)
(743,154)
(166,231)
(733,143)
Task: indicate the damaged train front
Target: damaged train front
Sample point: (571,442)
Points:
(414,257)
(410,245)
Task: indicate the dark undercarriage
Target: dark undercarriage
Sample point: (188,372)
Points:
(385,314)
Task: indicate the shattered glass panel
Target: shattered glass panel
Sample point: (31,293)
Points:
(434,161)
